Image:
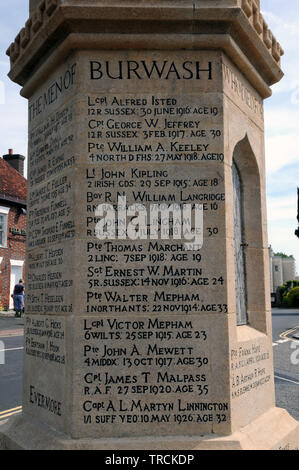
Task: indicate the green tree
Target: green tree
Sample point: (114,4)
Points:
(283,291)
(292,298)
(283,255)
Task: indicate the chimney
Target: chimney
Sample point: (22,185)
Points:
(15,160)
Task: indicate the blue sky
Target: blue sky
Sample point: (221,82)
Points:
(282,130)
(281,116)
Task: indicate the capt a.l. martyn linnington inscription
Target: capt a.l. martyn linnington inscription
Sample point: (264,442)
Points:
(147,312)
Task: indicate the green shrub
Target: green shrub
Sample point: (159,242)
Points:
(284,302)
(283,291)
(292,297)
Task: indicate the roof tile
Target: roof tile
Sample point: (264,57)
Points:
(12,184)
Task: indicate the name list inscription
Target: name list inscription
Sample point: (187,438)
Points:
(147,370)
(131,365)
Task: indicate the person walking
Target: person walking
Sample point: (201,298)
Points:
(18,297)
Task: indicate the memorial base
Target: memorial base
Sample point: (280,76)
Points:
(275,430)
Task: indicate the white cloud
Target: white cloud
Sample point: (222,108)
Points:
(281,150)
(282,238)
(13,129)
(281,119)
(288,28)
(281,208)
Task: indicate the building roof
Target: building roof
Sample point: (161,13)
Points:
(13,186)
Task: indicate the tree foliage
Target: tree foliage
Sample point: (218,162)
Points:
(283,255)
(292,298)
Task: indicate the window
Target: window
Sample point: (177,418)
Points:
(251,264)
(240,271)
(3,226)
(276,269)
(1,229)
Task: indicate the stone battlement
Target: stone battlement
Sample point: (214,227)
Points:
(186,11)
(37,19)
(252,10)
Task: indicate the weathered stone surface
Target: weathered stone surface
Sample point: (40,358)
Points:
(126,339)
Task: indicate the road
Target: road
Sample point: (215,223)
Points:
(286,359)
(11,350)
(285,349)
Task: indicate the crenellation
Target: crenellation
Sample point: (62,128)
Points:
(275,49)
(37,17)
(252,11)
(46,8)
(247,7)
(32,26)
(281,51)
(258,22)
(25,33)
(256,5)
(14,49)
(267,35)
(51,5)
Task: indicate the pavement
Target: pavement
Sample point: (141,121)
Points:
(7,313)
(11,326)
(277,311)
(285,323)
(285,311)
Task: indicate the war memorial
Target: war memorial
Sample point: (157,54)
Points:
(148,316)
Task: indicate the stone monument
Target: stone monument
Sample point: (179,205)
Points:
(297,231)
(139,335)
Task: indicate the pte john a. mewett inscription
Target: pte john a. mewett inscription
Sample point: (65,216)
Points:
(133,338)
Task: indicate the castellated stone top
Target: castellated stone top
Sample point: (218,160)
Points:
(252,10)
(52,21)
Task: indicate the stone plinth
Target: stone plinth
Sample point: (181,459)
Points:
(133,341)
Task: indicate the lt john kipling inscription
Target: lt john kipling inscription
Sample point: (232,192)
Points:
(174,139)
(119,120)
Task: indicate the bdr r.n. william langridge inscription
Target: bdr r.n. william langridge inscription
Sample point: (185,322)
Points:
(147,308)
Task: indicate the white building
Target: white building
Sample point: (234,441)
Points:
(281,270)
